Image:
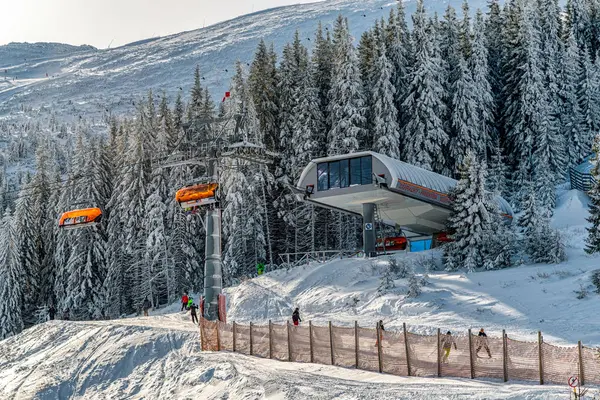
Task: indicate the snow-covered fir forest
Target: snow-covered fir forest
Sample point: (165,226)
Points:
(505,99)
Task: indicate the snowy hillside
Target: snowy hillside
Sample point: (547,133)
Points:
(159,358)
(521,300)
(96,82)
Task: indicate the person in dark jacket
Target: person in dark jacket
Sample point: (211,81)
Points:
(146,306)
(51,312)
(482,342)
(296,316)
(66,315)
(194,314)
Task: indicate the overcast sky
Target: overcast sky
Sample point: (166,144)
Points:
(98,22)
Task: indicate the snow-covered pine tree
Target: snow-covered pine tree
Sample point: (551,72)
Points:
(484,100)
(399,52)
(465,35)
(579,20)
(470,220)
(593,240)
(262,82)
(12,279)
(383,113)
(322,57)
(424,132)
(588,99)
(468,136)
(571,117)
(493,37)
(346,99)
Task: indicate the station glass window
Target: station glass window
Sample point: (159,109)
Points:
(334,174)
(367,170)
(345,173)
(322,177)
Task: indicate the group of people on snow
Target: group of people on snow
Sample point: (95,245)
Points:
(187,303)
(447,341)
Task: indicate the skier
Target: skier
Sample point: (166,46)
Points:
(482,342)
(190,302)
(184,301)
(296,316)
(193,309)
(146,306)
(66,315)
(381,329)
(447,343)
(51,312)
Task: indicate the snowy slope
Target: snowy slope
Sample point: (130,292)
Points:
(521,300)
(159,358)
(94,82)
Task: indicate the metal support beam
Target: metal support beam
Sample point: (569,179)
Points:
(369,230)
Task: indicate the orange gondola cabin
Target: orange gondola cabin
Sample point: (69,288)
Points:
(193,197)
(80,218)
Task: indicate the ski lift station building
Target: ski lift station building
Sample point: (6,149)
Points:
(371,185)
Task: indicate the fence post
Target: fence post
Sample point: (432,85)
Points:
(504,356)
(270,340)
(379,340)
(331,344)
(406,348)
(540,357)
(471,355)
(234,340)
(439,354)
(310,341)
(218,325)
(251,341)
(289,341)
(581,371)
(356,342)
(201,335)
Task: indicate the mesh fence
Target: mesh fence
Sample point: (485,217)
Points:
(422,352)
(260,340)
(208,335)
(300,342)
(485,356)
(242,339)
(394,354)
(488,364)
(368,356)
(344,347)
(591,365)
(321,345)
(280,342)
(458,361)
(522,360)
(225,336)
(559,363)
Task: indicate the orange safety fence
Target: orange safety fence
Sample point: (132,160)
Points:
(422,355)
(368,358)
(300,342)
(394,353)
(522,360)
(458,363)
(559,363)
(484,365)
(260,340)
(280,343)
(360,347)
(321,345)
(591,365)
(344,347)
